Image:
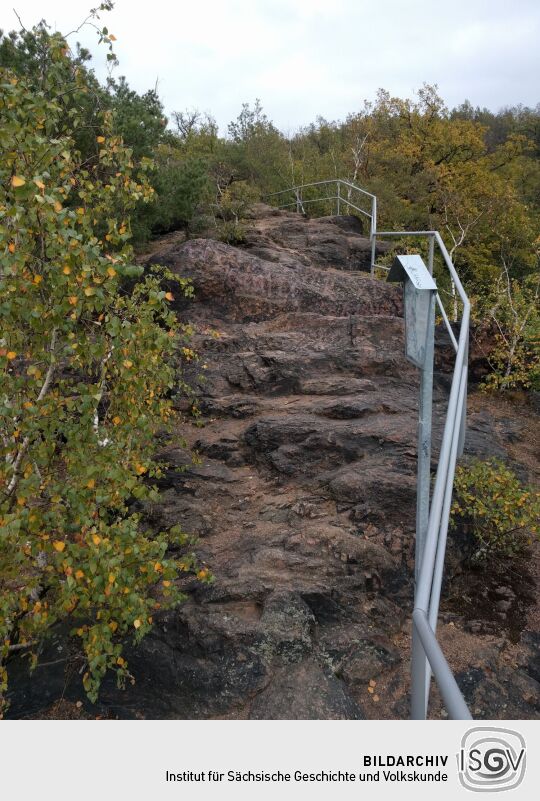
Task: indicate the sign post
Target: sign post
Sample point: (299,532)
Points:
(419,291)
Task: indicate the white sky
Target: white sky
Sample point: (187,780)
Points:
(305,58)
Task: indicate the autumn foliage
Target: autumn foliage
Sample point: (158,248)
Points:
(87,351)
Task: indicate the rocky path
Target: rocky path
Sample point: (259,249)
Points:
(303,497)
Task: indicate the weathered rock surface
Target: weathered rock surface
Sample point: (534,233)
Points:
(243,287)
(303,498)
(337,242)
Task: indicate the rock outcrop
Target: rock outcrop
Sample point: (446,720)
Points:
(303,499)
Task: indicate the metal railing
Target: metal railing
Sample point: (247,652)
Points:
(433,514)
(344,191)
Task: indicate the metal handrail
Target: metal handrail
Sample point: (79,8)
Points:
(340,199)
(427,656)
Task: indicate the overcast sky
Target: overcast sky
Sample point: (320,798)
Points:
(305,58)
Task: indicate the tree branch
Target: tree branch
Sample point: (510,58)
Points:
(26,442)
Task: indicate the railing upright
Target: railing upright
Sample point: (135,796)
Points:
(373,233)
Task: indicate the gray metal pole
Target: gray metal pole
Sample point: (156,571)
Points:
(445,515)
(450,691)
(424,440)
(419,677)
(338,198)
(431,252)
(445,519)
(463,426)
(373,232)
(420,669)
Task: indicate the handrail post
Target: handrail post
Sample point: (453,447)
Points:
(425,410)
(463,424)
(373,233)
(338,205)
(420,669)
(424,439)
(419,673)
(431,253)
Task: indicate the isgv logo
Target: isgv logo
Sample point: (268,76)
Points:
(491,759)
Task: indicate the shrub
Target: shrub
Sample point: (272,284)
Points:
(181,188)
(233,206)
(236,200)
(512,309)
(231,232)
(501,514)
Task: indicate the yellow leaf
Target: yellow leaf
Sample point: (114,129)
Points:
(73,299)
(140,469)
(158,567)
(91,483)
(169,296)
(100,139)
(137,623)
(17,181)
(79,574)
(112,37)
(120,661)
(96,539)
(38,279)
(11,247)
(113,625)
(89,291)
(117,420)
(58,206)
(166,583)
(10,355)
(39,184)
(111,272)
(112,578)
(58,545)
(127,364)
(66,270)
